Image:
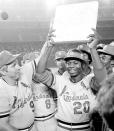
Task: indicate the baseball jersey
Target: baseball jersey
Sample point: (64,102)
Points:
(17,101)
(12,102)
(75,100)
(43,100)
(56,72)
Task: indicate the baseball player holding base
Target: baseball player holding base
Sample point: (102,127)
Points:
(75,97)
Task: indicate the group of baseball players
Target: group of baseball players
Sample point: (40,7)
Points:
(34,97)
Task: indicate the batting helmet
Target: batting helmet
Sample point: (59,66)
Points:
(74,54)
(107,49)
(60,54)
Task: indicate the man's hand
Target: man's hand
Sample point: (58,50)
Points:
(50,38)
(93,39)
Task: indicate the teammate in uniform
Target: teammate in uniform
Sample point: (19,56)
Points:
(87,56)
(107,55)
(59,60)
(61,67)
(75,97)
(16,99)
(45,107)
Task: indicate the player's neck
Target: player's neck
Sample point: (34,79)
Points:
(76,79)
(61,71)
(87,70)
(9,81)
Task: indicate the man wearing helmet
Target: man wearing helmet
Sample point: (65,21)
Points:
(59,61)
(107,55)
(75,97)
(61,68)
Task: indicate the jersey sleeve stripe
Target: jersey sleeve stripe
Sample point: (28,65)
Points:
(35,64)
(34,67)
(37,82)
(5,112)
(52,79)
(5,115)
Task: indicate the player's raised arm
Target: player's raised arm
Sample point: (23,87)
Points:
(98,68)
(42,74)
(45,53)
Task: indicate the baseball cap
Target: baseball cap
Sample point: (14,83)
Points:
(107,49)
(60,54)
(74,54)
(7,57)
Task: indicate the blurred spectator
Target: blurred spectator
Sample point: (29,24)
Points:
(106,101)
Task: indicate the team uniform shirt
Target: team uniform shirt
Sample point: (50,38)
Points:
(43,101)
(55,72)
(17,101)
(75,100)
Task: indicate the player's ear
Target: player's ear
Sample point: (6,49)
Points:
(84,65)
(3,69)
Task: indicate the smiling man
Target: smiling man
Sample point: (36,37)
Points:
(16,99)
(75,98)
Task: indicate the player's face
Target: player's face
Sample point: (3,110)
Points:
(13,70)
(74,67)
(105,59)
(60,63)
